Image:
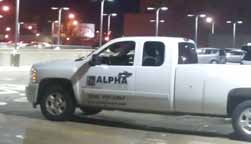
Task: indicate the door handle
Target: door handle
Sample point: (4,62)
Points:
(125,74)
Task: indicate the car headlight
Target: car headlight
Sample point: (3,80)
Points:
(34,76)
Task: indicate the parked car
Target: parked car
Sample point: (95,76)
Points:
(246,47)
(235,55)
(247,58)
(37,45)
(211,55)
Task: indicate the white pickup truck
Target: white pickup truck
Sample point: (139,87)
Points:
(143,74)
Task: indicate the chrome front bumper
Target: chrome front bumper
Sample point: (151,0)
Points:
(32,93)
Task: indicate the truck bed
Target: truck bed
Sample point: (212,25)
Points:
(204,89)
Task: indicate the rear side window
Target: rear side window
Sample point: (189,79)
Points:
(236,53)
(187,53)
(153,54)
(222,53)
(208,52)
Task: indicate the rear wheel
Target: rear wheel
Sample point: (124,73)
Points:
(57,103)
(90,110)
(242,120)
(214,62)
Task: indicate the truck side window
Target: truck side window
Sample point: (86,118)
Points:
(120,53)
(153,54)
(187,53)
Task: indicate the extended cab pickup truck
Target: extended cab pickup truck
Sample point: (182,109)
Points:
(143,74)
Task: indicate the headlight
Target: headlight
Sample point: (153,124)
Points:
(34,76)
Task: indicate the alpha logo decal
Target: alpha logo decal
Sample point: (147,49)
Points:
(93,80)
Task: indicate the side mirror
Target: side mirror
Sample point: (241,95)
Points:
(92,62)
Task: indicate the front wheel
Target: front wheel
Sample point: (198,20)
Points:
(241,120)
(57,103)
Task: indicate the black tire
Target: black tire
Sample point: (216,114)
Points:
(67,98)
(90,111)
(237,116)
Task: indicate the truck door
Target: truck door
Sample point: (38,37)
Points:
(112,80)
(153,77)
(189,81)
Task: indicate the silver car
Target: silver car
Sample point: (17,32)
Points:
(211,56)
(235,55)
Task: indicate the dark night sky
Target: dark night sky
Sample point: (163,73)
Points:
(39,10)
(87,10)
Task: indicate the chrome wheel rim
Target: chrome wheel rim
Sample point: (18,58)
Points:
(55,104)
(245,121)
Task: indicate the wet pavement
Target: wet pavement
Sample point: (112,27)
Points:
(22,129)
(21,124)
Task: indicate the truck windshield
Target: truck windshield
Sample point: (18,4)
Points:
(187,53)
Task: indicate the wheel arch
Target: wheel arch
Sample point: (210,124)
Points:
(237,96)
(66,83)
(214,60)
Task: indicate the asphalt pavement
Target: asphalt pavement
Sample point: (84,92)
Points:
(21,124)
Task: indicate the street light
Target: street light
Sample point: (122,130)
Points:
(153,21)
(234,29)
(102,20)
(6,36)
(196,24)
(7,29)
(5,8)
(211,20)
(75,23)
(157,21)
(71,16)
(60,10)
(109,21)
(30,27)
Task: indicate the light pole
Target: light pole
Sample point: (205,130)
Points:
(102,20)
(17,31)
(196,24)
(211,21)
(153,21)
(109,16)
(157,17)
(60,10)
(53,27)
(234,30)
